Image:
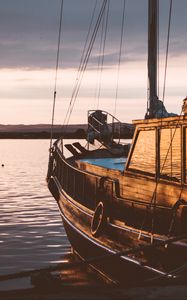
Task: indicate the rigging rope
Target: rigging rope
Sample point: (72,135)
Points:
(167,50)
(153,199)
(172,136)
(88,34)
(105,24)
(158,47)
(81,63)
(56,72)
(84,64)
(99,64)
(119,60)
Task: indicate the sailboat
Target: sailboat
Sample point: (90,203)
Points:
(124,207)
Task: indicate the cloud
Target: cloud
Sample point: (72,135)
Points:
(29,32)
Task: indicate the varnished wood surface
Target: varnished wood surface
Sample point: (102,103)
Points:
(162,121)
(114,238)
(141,208)
(141,187)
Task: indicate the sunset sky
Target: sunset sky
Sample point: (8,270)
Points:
(28,43)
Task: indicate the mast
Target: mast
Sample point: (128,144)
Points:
(152,55)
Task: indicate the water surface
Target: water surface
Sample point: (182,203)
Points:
(31,231)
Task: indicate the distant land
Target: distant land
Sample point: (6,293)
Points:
(43,131)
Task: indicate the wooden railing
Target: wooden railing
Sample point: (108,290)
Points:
(80,185)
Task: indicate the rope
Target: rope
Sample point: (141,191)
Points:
(84,64)
(170,273)
(170,145)
(81,63)
(103,50)
(88,34)
(153,199)
(132,250)
(120,51)
(56,73)
(98,65)
(167,50)
(172,137)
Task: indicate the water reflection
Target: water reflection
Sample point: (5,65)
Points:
(31,231)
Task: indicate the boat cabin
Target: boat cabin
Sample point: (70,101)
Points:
(159,149)
(152,177)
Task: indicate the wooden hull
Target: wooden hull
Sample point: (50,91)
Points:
(99,252)
(118,270)
(135,208)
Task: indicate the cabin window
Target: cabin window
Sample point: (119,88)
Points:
(144,154)
(170,154)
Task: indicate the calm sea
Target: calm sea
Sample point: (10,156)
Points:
(31,231)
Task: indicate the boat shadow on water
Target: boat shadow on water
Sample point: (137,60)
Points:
(74,279)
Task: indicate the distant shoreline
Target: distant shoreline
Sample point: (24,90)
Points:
(38,135)
(47,136)
(43,131)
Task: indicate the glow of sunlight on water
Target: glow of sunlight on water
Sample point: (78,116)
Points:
(31,231)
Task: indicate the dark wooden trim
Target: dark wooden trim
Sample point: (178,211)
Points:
(184,154)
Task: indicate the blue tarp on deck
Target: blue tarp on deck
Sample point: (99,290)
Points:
(109,163)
